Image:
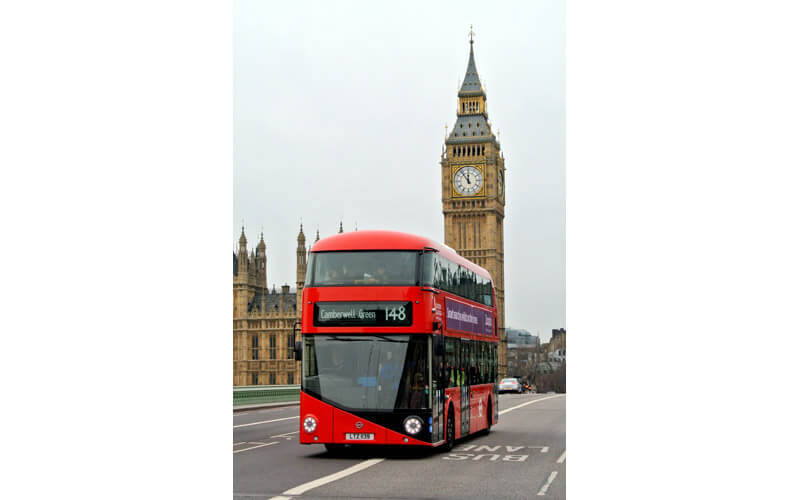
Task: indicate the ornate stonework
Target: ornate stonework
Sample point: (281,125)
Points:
(263,319)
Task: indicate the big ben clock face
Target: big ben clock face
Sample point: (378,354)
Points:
(468,181)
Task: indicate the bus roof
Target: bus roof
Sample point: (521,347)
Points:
(391,240)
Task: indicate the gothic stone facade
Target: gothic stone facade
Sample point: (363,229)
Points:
(473,191)
(263,320)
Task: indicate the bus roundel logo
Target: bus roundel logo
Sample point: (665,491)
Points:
(359,425)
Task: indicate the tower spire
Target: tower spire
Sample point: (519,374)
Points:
(471,85)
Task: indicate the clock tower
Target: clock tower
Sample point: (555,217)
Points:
(473,191)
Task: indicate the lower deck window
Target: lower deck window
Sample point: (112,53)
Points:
(368,372)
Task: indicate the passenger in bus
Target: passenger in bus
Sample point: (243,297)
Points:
(378,277)
(332,276)
(381,276)
(451,382)
(389,372)
(337,363)
(444,373)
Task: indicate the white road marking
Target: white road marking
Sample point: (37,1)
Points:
(285,435)
(281,498)
(562,457)
(542,449)
(547,484)
(526,404)
(264,422)
(254,447)
(299,490)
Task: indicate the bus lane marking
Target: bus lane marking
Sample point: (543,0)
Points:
(459,453)
(494,457)
(299,490)
(264,422)
(547,484)
(510,449)
(254,447)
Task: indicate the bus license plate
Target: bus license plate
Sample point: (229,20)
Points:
(359,436)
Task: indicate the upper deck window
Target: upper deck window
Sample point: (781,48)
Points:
(443,274)
(385,268)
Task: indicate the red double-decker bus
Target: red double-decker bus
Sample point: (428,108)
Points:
(399,343)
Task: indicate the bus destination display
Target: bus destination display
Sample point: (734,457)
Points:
(362,314)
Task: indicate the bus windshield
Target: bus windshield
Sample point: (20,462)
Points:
(367,372)
(363,268)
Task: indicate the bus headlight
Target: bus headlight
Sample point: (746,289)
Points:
(412,425)
(310,424)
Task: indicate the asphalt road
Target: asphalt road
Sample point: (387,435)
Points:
(524,456)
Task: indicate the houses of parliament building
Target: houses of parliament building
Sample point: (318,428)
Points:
(473,204)
(264,319)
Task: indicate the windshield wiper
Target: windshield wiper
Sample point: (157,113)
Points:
(387,339)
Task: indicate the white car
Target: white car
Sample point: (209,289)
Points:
(510,385)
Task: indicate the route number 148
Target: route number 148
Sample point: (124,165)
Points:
(396,313)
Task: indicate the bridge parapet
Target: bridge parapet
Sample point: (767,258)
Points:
(265,394)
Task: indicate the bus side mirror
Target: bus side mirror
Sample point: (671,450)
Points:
(298,351)
(438,346)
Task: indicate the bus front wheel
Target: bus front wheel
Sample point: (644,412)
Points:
(450,435)
(488,416)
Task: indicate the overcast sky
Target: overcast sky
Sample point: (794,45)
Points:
(340,112)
